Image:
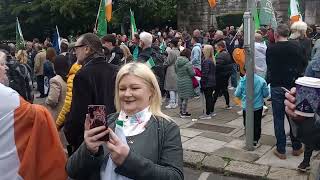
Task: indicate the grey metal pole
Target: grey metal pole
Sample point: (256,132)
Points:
(249,30)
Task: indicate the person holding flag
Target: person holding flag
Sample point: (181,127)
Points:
(146,50)
(134,44)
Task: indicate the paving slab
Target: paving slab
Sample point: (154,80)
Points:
(217,136)
(282,173)
(212,127)
(190,133)
(268,129)
(192,158)
(291,162)
(184,139)
(238,133)
(237,122)
(268,118)
(236,154)
(190,174)
(315,170)
(248,169)
(268,140)
(214,162)
(180,121)
(240,144)
(203,144)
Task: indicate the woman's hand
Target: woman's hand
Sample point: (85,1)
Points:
(118,150)
(92,136)
(290,104)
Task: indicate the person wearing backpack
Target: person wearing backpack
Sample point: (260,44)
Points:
(19,76)
(22,58)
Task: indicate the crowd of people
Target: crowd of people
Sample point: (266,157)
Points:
(132,78)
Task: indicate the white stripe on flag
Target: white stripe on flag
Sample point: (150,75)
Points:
(9,159)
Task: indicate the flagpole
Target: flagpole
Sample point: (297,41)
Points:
(95,25)
(236,34)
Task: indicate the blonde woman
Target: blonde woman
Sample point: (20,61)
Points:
(299,33)
(208,80)
(22,56)
(143,142)
(127,56)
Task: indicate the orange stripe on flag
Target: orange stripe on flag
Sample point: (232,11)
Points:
(39,148)
(212,3)
(108,4)
(295,18)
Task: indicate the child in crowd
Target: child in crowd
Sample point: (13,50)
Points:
(184,72)
(260,91)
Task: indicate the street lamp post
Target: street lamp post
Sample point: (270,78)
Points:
(249,31)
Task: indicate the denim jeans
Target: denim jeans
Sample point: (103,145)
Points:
(173,97)
(234,81)
(278,108)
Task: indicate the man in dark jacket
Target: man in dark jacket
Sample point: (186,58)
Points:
(94,84)
(224,67)
(153,59)
(145,44)
(115,53)
(284,66)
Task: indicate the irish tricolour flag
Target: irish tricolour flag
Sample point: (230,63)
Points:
(30,148)
(108,4)
(294,11)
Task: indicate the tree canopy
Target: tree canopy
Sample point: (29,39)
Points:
(38,18)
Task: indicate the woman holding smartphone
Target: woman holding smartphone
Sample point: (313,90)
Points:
(143,142)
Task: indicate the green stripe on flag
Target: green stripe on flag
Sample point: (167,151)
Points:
(256,18)
(102,22)
(133,25)
(135,53)
(20,44)
(150,63)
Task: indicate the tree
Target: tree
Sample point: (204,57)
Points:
(38,18)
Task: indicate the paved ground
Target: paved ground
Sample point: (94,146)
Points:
(217,145)
(191,174)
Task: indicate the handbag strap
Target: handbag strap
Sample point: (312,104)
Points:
(160,137)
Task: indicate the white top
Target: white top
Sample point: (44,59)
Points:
(308,82)
(134,125)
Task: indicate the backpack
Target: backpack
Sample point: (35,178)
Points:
(20,79)
(159,69)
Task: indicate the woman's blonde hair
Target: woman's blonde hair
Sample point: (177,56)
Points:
(22,56)
(208,52)
(144,72)
(298,30)
(126,50)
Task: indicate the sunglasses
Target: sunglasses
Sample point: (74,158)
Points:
(78,46)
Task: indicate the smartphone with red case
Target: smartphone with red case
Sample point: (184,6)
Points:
(97,117)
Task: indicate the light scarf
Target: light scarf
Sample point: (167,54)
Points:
(126,126)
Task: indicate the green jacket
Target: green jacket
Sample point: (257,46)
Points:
(162,158)
(184,74)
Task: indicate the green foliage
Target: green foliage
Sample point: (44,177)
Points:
(38,18)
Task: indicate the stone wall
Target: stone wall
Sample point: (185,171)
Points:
(194,14)
(312,12)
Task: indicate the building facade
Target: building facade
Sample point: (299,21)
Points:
(194,14)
